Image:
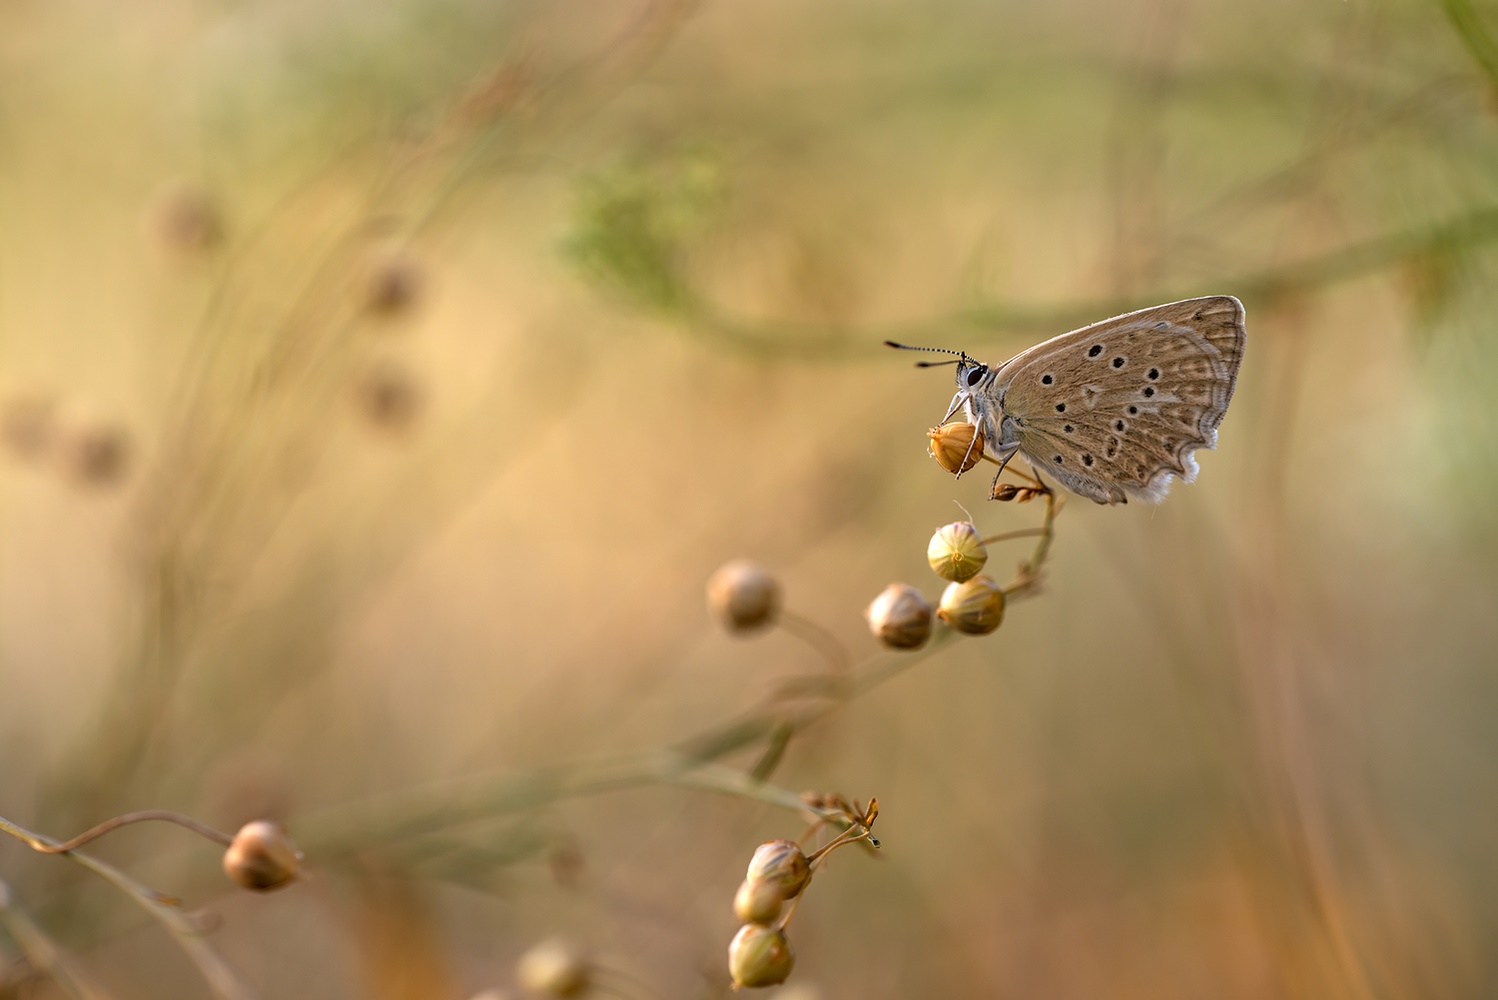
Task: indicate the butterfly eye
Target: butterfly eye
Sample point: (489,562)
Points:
(975,375)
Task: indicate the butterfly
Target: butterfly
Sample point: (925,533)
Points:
(1113,410)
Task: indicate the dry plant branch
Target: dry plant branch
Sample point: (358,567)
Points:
(164,909)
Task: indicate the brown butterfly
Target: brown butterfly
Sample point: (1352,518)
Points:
(1116,409)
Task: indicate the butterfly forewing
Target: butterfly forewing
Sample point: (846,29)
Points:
(1117,408)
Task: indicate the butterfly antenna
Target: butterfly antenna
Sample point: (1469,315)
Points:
(962,357)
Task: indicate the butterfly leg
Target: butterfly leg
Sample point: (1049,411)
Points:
(1035,469)
(993,489)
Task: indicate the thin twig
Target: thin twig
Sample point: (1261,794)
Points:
(202,829)
(221,979)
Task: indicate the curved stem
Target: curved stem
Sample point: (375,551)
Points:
(93,833)
(220,977)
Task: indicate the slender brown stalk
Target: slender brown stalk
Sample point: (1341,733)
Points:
(164,815)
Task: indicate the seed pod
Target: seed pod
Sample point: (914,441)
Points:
(899,617)
(28,425)
(88,449)
(393,281)
(758,902)
(759,956)
(743,596)
(956,447)
(974,607)
(186,219)
(957,551)
(783,863)
(389,396)
(554,968)
(262,857)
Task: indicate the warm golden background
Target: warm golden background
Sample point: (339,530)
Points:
(382,382)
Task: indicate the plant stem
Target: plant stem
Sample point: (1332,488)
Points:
(220,978)
(202,829)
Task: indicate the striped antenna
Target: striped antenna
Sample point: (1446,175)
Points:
(962,358)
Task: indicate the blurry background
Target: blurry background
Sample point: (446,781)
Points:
(381,383)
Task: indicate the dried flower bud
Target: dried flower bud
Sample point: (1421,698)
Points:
(28,424)
(758,901)
(957,551)
(262,857)
(186,219)
(555,968)
(957,446)
(743,596)
(759,956)
(899,617)
(393,281)
(389,396)
(783,863)
(90,450)
(974,607)
(1022,494)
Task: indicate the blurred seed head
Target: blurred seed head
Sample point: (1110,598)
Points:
(185,219)
(91,451)
(899,617)
(759,956)
(389,396)
(262,857)
(743,596)
(555,968)
(783,863)
(391,281)
(28,425)
(758,902)
(957,447)
(957,551)
(973,607)
(492,994)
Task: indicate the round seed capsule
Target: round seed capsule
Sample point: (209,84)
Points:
(554,968)
(899,617)
(262,857)
(759,956)
(974,607)
(957,551)
(743,596)
(956,447)
(758,902)
(782,863)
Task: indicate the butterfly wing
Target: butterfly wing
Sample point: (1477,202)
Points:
(1116,409)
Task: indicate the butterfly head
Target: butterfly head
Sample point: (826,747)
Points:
(974,384)
(971,373)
